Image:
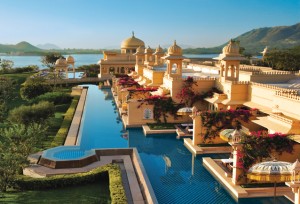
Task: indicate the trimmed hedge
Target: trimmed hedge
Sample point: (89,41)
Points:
(36,113)
(64,128)
(109,171)
(55,97)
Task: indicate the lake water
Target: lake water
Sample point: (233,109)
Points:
(80,59)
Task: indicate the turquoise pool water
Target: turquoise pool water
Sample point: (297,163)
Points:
(175,175)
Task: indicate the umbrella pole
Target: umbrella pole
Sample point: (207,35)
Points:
(275,192)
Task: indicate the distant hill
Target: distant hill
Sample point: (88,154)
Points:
(254,41)
(280,37)
(22,47)
(48,46)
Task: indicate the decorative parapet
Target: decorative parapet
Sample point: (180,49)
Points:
(240,82)
(274,87)
(250,68)
(179,78)
(291,94)
(272,73)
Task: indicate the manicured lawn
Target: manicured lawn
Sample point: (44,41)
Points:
(91,193)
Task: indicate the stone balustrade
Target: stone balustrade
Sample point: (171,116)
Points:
(252,67)
(179,78)
(271,73)
(289,95)
(272,87)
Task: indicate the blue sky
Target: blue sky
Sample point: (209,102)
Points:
(104,24)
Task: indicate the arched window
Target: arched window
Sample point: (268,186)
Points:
(111,70)
(148,114)
(174,68)
(122,71)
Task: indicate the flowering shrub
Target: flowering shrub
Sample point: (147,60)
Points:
(189,97)
(215,121)
(161,107)
(260,145)
(143,89)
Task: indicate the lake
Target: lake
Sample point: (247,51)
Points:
(80,59)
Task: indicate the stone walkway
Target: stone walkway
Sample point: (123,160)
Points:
(75,125)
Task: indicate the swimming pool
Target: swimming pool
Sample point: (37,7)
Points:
(175,175)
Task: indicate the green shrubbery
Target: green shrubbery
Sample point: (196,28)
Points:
(111,171)
(63,131)
(55,97)
(36,113)
(32,90)
(29,68)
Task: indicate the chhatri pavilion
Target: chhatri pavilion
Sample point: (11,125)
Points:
(120,63)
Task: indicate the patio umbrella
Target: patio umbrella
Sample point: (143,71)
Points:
(228,133)
(271,171)
(184,111)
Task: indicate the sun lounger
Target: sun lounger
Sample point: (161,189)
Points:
(186,124)
(190,130)
(227,162)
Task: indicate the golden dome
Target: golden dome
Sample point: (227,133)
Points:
(159,50)
(61,62)
(132,42)
(148,50)
(232,48)
(70,59)
(174,49)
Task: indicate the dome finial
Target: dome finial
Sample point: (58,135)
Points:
(132,33)
(174,42)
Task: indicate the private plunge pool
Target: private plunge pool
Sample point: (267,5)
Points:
(175,174)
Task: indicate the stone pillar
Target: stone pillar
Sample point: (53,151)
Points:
(236,170)
(226,71)
(198,129)
(67,73)
(296,190)
(295,181)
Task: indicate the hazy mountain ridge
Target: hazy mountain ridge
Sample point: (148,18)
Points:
(20,47)
(280,37)
(48,46)
(254,41)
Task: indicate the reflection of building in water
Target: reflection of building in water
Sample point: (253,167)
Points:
(107,95)
(120,63)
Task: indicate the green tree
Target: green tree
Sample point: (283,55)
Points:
(6,65)
(6,89)
(286,60)
(49,59)
(16,143)
(32,90)
(91,70)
